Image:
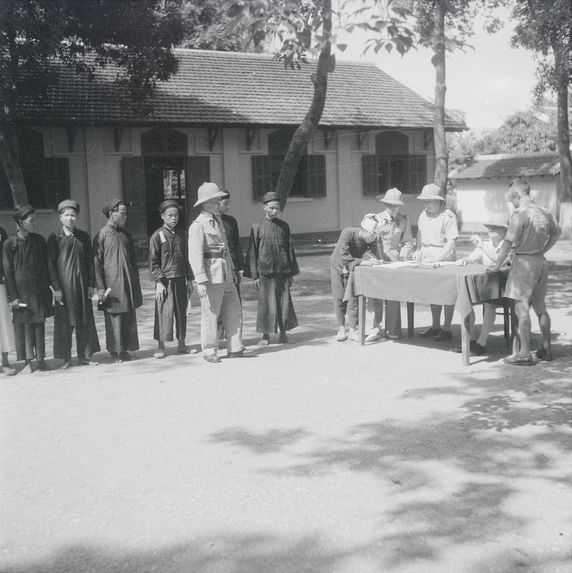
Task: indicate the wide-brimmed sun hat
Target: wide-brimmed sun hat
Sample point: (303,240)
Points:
(208,191)
(369,223)
(496,220)
(392,197)
(431,192)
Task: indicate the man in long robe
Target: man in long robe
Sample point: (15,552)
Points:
(25,260)
(117,280)
(271,263)
(72,277)
(7,343)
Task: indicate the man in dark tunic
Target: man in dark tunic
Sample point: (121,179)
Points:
(6,326)
(117,279)
(27,283)
(171,272)
(72,277)
(232,237)
(271,263)
(356,246)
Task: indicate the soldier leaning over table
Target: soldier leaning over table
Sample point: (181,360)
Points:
(355,246)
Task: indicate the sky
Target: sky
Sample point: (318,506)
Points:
(488,83)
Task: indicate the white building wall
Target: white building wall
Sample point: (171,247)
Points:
(477,199)
(96,176)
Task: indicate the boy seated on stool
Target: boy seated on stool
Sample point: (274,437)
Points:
(271,263)
(485,252)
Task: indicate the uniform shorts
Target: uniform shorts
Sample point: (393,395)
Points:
(527,280)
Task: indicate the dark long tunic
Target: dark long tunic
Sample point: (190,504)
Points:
(3,237)
(271,258)
(70,263)
(25,263)
(115,264)
(233,239)
(270,250)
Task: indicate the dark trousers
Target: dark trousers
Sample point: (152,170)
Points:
(275,307)
(85,334)
(30,340)
(172,308)
(341,307)
(121,332)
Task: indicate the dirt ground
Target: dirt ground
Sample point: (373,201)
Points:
(318,456)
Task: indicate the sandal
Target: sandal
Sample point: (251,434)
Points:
(516,360)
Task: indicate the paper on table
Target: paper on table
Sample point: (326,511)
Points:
(400,264)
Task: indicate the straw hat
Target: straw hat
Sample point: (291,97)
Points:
(392,197)
(208,191)
(496,220)
(431,192)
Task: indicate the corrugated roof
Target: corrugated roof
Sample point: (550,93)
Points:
(237,89)
(522,164)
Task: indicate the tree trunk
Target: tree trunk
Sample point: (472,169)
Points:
(565,187)
(308,126)
(9,161)
(438,60)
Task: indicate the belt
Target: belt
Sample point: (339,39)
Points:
(215,254)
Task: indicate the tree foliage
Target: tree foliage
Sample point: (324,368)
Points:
(521,132)
(136,36)
(546,29)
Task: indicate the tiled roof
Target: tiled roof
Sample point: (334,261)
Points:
(523,164)
(236,89)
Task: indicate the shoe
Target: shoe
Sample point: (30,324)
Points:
(125,357)
(516,360)
(42,366)
(342,335)
(83,361)
(8,370)
(353,335)
(393,336)
(28,368)
(212,358)
(429,333)
(237,354)
(542,354)
(475,349)
(284,339)
(264,341)
(159,354)
(443,335)
(182,348)
(374,336)
(66,365)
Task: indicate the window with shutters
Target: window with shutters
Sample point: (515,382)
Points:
(47,179)
(393,166)
(310,180)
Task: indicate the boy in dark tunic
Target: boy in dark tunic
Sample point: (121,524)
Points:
(170,270)
(271,263)
(27,283)
(70,263)
(6,326)
(117,279)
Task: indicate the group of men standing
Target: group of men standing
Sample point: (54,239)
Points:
(61,277)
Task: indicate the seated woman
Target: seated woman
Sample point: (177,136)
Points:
(436,241)
(356,246)
(485,252)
